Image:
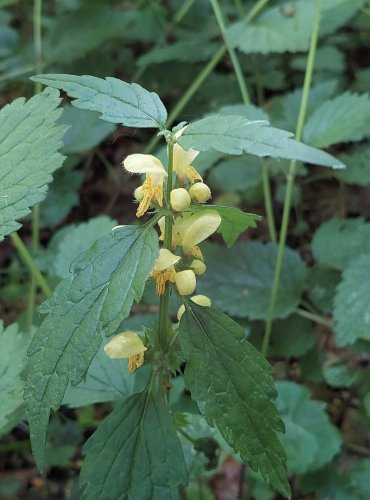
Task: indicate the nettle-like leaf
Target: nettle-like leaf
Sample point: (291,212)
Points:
(29,143)
(342,119)
(117,101)
(233,386)
(310,440)
(351,302)
(13,350)
(241,286)
(235,135)
(276,30)
(107,278)
(358,166)
(182,51)
(337,241)
(135,453)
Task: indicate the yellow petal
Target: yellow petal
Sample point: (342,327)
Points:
(181,157)
(198,227)
(144,164)
(165,260)
(185,282)
(179,199)
(124,345)
(201,300)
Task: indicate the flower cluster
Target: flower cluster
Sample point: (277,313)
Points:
(179,265)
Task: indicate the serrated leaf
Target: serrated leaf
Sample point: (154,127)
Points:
(241,286)
(276,30)
(357,169)
(342,119)
(236,174)
(351,303)
(13,349)
(337,241)
(106,380)
(233,389)
(305,419)
(86,130)
(235,135)
(135,453)
(29,143)
(106,280)
(115,100)
(183,51)
(321,283)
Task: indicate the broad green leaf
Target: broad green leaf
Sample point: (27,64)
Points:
(310,440)
(278,29)
(13,349)
(184,51)
(337,241)
(106,380)
(351,303)
(233,388)
(236,174)
(340,375)
(247,110)
(86,130)
(239,279)
(106,279)
(342,119)
(328,483)
(327,59)
(115,100)
(29,143)
(235,135)
(76,238)
(135,453)
(321,283)
(357,169)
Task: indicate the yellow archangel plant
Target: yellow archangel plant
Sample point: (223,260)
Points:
(177,193)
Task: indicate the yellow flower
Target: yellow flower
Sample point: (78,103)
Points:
(185,282)
(182,161)
(195,228)
(201,300)
(127,345)
(152,188)
(163,270)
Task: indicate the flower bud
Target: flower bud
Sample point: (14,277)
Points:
(199,192)
(139,193)
(198,267)
(124,345)
(179,199)
(201,300)
(185,282)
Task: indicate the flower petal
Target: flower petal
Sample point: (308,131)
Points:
(198,227)
(144,164)
(124,345)
(165,260)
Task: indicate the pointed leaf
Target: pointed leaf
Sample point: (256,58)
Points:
(235,135)
(107,278)
(135,453)
(117,101)
(29,143)
(233,386)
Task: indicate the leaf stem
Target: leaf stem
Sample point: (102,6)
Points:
(233,57)
(27,258)
(165,298)
(268,202)
(316,318)
(291,176)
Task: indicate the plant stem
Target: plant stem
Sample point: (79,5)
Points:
(165,298)
(290,178)
(27,258)
(182,11)
(314,317)
(234,58)
(37,44)
(268,202)
(212,63)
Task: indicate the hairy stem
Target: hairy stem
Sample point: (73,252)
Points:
(268,202)
(165,298)
(291,176)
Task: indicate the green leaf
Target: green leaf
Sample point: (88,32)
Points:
(29,143)
(13,349)
(183,51)
(86,130)
(106,280)
(117,101)
(337,241)
(357,169)
(233,389)
(321,282)
(340,375)
(106,380)
(341,119)
(135,453)
(351,303)
(236,174)
(279,29)
(239,279)
(310,440)
(235,135)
